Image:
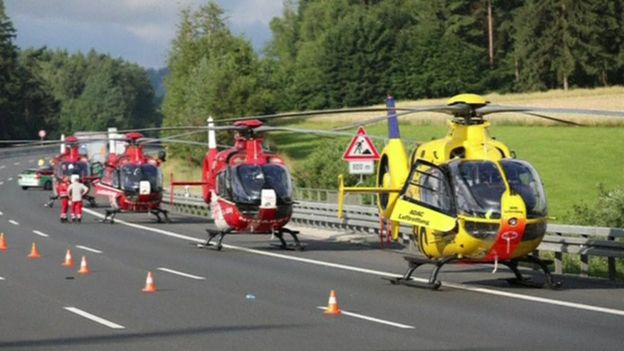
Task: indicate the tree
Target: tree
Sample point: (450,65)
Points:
(212,73)
(8,79)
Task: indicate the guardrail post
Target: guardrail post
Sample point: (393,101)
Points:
(558,260)
(584,262)
(611,264)
(558,263)
(584,266)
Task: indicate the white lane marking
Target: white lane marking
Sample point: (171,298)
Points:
(196,277)
(10,179)
(40,233)
(579,306)
(94,318)
(13,222)
(1,278)
(1,183)
(16,163)
(88,249)
(371,319)
(1,214)
(2,167)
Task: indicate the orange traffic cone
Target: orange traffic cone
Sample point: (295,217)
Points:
(3,244)
(34,252)
(332,305)
(84,267)
(69,260)
(150,286)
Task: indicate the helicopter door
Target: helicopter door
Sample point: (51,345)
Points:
(426,199)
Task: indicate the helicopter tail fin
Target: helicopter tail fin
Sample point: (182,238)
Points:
(393,122)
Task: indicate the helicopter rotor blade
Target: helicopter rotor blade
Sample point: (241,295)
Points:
(310,113)
(330,133)
(489,109)
(564,121)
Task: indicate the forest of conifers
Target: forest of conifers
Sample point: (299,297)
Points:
(323,53)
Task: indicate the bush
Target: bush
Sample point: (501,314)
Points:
(607,212)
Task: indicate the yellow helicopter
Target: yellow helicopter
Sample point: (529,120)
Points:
(465,195)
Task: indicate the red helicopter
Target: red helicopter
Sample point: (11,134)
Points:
(72,161)
(249,189)
(132,181)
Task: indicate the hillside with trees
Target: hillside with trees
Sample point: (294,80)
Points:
(64,93)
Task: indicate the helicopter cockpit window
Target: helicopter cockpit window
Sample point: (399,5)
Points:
(132,175)
(69,168)
(524,180)
(248,182)
(428,186)
(222,188)
(478,187)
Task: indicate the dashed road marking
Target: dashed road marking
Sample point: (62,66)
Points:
(88,249)
(40,233)
(10,179)
(16,163)
(554,302)
(196,277)
(371,319)
(94,318)
(13,222)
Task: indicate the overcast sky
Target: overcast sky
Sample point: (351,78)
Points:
(137,30)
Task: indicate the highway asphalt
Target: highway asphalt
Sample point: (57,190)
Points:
(252,296)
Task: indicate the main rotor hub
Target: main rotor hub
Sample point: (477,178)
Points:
(133,137)
(246,128)
(465,108)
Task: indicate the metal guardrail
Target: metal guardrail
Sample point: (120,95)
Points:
(7,152)
(560,239)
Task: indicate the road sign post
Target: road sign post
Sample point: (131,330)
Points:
(42,134)
(361,154)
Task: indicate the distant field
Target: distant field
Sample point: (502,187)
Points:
(611,98)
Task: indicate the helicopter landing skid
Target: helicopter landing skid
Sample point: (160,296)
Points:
(165,213)
(91,201)
(111,214)
(521,280)
(414,262)
(279,233)
(211,235)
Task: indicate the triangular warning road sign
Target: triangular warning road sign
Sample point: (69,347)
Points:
(361,148)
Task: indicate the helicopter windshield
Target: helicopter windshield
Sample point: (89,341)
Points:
(69,168)
(131,175)
(524,180)
(478,188)
(248,182)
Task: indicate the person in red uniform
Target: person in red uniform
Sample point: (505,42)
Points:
(63,195)
(76,192)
